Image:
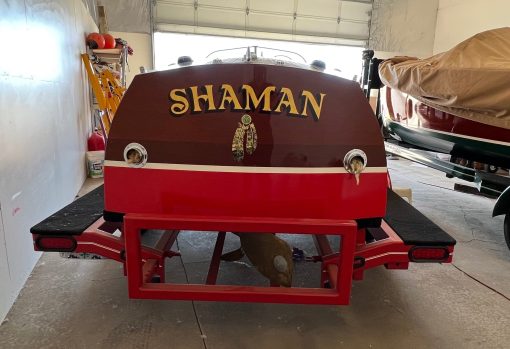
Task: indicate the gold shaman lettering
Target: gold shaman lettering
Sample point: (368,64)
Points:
(316,106)
(203,98)
(251,96)
(181,104)
(208,97)
(230,97)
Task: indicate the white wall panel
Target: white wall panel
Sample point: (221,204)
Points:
(277,23)
(44,123)
(208,17)
(310,26)
(355,10)
(142,52)
(5,277)
(353,29)
(320,8)
(177,12)
(282,6)
(324,21)
(458,20)
(234,4)
(405,27)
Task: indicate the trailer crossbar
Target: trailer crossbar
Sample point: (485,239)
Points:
(140,288)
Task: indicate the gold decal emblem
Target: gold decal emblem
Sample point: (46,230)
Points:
(245,138)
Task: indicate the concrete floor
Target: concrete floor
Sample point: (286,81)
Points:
(84,304)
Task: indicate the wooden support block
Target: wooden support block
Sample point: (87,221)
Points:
(103,23)
(405,193)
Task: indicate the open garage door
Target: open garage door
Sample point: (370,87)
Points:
(340,22)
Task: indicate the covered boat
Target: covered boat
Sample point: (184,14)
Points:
(457,102)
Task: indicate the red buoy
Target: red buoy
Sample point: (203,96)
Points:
(109,41)
(95,40)
(96,141)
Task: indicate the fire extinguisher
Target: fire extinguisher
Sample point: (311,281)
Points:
(96,141)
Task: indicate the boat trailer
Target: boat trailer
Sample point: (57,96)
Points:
(245,146)
(146,241)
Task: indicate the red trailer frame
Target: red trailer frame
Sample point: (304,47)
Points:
(339,292)
(142,264)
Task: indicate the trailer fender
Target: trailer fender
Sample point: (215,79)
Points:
(502,204)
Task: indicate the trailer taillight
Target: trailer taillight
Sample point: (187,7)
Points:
(55,243)
(428,254)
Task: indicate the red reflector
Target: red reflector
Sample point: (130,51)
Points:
(63,244)
(423,254)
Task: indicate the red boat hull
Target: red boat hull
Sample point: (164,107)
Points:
(195,130)
(421,125)
(215,192)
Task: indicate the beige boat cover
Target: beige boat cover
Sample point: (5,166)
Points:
(472,80)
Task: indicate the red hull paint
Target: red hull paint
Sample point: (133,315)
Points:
(327,196)
(408,111)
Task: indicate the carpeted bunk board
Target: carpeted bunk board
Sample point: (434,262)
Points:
(412,226)
(75,217)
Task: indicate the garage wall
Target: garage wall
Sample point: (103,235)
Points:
(403,27)
(44,123)
(142,52)
(457,20)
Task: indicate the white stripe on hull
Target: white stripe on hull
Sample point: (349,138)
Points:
(243,169)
